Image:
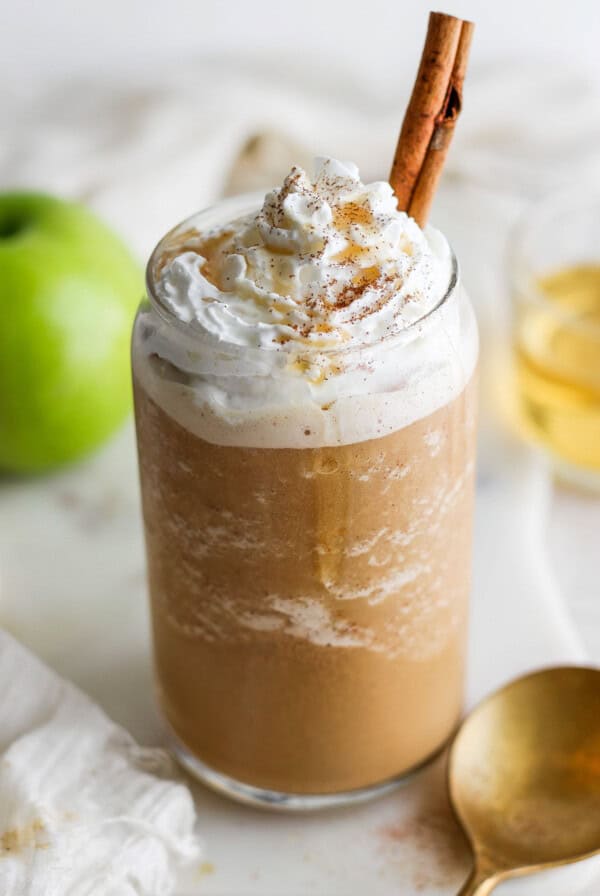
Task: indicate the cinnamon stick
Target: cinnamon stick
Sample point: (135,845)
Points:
(431,115)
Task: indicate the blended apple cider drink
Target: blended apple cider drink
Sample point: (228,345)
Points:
(304,385)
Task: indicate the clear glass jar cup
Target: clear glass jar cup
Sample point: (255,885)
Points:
(555,269)
(309,602)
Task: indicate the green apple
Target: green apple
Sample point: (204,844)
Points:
(69,289)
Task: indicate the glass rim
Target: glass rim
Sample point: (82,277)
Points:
(524,274)
(245,203)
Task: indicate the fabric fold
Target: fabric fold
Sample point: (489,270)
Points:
(83,809)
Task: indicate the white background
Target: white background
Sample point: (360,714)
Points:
(381,39)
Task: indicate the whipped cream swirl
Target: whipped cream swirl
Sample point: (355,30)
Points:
(305,323)
(328,262)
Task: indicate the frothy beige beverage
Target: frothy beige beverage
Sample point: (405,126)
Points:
(305,412)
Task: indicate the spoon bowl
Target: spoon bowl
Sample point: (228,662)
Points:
(524,776)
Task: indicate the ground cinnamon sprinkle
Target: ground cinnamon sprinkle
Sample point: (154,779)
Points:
(428,846)
(16,840)
(347,280)
(351,213)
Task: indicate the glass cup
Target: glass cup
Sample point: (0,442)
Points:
(555,265)
(309,600)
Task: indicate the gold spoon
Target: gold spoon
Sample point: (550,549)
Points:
(524,776)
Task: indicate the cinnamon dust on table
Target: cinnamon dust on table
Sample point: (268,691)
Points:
(16,840)
(427,847)
(431,848)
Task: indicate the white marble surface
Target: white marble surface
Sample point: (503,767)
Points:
(73,590)
(573,541)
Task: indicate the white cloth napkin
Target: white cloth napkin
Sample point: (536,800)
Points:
(148,154)
(84,811)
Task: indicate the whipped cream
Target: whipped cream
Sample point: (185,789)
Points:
(325,263)
(324,316)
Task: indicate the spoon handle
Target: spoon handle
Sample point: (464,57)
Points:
(479,883)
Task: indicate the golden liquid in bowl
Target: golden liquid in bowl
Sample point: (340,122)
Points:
(557,351)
